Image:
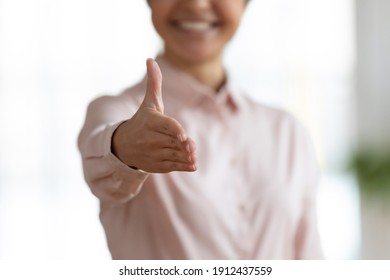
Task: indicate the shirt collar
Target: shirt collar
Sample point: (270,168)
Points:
(190,91)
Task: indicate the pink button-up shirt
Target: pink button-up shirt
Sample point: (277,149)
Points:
(252,197)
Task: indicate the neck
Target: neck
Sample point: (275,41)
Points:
(210,72)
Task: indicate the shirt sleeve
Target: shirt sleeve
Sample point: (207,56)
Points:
(307,240)
(109,178)
(308,246)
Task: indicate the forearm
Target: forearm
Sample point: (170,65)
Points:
(108,178)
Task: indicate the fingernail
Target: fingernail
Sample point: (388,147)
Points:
(188,148)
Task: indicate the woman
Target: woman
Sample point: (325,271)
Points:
(185,167)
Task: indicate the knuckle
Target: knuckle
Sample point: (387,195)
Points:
(175,143)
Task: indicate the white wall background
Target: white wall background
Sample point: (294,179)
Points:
(57,55)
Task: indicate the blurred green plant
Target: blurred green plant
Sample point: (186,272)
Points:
(372,170)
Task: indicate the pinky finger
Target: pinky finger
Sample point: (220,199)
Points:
(169,166)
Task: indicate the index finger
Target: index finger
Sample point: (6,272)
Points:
(171,127)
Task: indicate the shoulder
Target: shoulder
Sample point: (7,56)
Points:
(127,100)
(276,118)
(288,138)
(280,130)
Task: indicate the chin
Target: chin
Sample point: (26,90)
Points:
(196,55)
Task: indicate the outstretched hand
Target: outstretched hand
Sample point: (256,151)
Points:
(150,140)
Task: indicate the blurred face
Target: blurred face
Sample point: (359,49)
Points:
(196,30)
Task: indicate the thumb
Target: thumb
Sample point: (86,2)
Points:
(153,95)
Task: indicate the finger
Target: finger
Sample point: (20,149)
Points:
(191,150)
(169,166)
(174,156)
(172,143)
(169,126)
(153,95)
(190,145)
(154,140)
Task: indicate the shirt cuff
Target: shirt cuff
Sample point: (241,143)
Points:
(135,177)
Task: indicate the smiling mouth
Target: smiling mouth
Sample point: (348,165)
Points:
(197,26)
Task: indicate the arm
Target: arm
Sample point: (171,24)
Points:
(120,132)
(308,245)
(109,178)
(307,241)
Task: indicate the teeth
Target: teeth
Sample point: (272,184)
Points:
(195,25)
